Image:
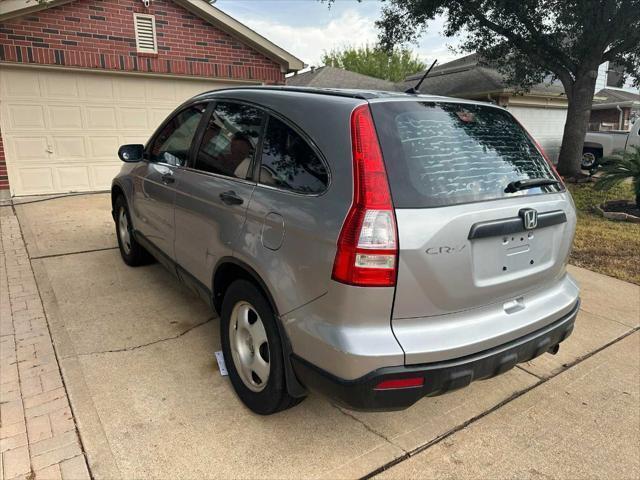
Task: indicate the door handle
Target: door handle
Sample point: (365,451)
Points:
(167,178)
(230,198)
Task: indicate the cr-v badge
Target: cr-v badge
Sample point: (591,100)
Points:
(444,249)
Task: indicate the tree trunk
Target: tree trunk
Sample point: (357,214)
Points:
(580,98)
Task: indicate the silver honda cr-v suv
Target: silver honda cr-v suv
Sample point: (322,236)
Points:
(373,246)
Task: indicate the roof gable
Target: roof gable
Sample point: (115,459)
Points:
(610,98)
(10,9)
(609,95)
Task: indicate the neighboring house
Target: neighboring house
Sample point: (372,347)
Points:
(332,77)
(611,75)
(614,109)
(79,78)
(542,110)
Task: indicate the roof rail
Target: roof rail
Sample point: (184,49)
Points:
(362,94)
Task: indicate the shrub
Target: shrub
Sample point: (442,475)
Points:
(620,167)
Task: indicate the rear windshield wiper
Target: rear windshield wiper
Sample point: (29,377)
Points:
(518,185)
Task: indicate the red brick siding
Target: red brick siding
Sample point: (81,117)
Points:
(100,34)
(609,115)
(4,180)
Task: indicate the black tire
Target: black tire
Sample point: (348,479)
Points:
(274,396)
(591,158)
(135,255)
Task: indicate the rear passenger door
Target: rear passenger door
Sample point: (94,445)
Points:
(284,238)
(216,187)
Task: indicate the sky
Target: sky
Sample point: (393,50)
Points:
(307,28)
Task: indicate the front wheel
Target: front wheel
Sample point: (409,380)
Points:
(131,251)
(253,350)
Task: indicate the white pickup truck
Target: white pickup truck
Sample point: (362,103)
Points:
(602,144)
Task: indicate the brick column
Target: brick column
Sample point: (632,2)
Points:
(4,179)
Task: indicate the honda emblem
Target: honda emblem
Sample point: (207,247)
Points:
(529,218)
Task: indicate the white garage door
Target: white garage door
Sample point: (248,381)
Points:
(62,129)
(545,124)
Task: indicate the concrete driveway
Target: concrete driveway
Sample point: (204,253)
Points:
(136,351)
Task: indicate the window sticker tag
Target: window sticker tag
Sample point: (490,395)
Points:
(221,364)
(467,117)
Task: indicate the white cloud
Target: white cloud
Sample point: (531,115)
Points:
(429,53)
(433,45)
(308,37)
(308,43)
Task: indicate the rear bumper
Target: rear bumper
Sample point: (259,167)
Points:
(439,377)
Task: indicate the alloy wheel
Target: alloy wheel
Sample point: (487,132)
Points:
(249,346)
(123,231)
(588,159)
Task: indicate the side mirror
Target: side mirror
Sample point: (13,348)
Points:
(131,153)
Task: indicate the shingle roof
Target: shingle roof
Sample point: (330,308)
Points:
(609,95)
(466,77)
(332,77)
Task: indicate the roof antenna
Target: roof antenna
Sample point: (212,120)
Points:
(415,90)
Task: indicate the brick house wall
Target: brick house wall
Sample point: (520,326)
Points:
(609,115)
(4,179)
(100,34)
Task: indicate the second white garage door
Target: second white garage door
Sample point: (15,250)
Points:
(62,129)
(546,125)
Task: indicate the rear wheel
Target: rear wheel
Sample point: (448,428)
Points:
(253,350)
(131,251)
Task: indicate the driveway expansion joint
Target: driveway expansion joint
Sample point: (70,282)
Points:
(530,373)
(450,432)
(367,427)
(481,415)
(16,203)
(54,255)
(136,347)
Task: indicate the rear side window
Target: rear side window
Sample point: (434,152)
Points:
(230,139)
(439,154)
(288,161)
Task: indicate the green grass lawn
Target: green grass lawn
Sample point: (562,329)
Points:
(602,245)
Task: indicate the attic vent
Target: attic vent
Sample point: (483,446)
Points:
(145,33)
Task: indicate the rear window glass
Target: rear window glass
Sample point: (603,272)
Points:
(440,154)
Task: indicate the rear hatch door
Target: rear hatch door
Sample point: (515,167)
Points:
(465,241)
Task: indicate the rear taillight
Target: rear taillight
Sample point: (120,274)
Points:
(367,246)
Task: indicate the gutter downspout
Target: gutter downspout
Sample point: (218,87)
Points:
(621,120)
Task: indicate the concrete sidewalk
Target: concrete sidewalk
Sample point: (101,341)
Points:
(38,438)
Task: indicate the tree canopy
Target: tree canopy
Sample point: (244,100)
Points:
(533,40)
(393,64)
